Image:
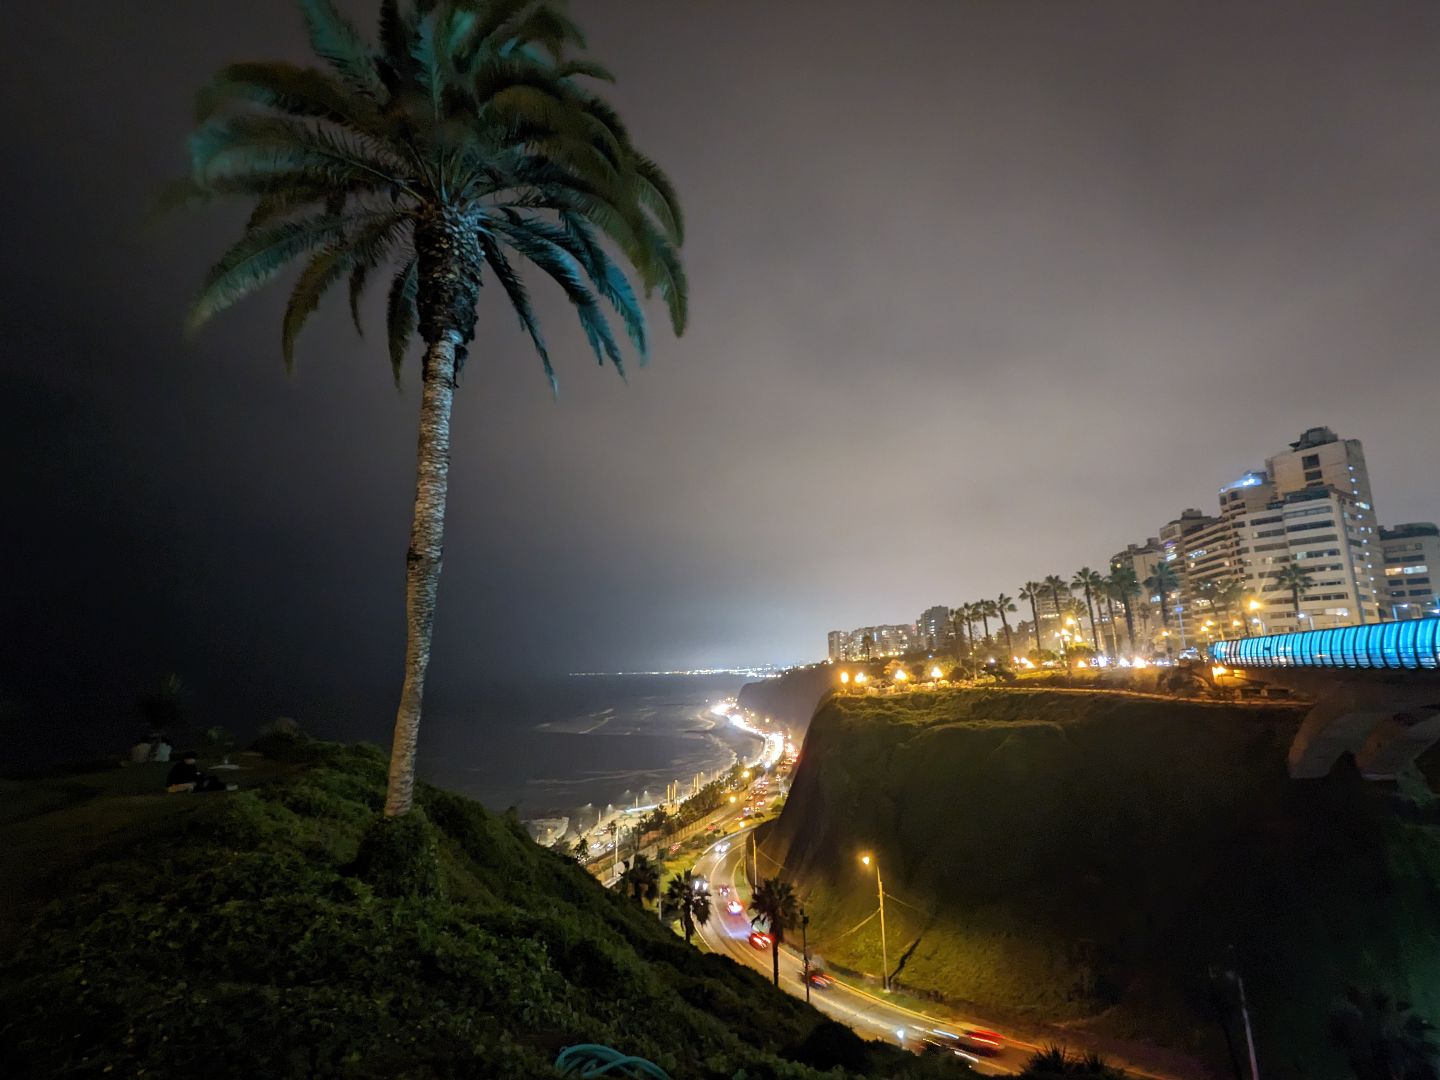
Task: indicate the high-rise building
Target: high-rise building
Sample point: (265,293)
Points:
(1320,458)
(872,642)
(934,627)
(1327,533)
(1412,570)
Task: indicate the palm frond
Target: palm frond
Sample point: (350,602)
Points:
(337,42)
(361,247)
(238,147)
(256,258)
(401,316)
(609,280)
(520,301)
(285,87)
(658,195)
(567,272)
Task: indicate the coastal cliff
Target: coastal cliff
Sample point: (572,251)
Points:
(789,699)
(1090,859)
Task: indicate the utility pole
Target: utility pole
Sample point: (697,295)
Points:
(884,954)
(805,950)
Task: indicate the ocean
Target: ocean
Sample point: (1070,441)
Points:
(572,746)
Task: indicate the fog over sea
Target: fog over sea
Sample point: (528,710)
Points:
(554,747)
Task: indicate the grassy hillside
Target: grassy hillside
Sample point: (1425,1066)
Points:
(238,935)
(1090,858)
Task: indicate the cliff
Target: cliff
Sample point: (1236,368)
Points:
(1089,859)
(789,699)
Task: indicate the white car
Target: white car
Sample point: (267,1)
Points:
(722,847)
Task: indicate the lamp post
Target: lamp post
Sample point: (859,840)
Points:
(884,953)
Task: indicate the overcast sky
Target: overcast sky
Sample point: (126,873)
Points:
(981,291)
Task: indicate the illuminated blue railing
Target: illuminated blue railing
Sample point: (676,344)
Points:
(1408,645)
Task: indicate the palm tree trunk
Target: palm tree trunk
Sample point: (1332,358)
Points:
(1114,634)
(1009,645)
(1094,631)
(1129,624)
(775,957)
(1035,614)
(422,564)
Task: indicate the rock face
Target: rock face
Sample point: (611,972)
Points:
(1090,858)
(789,699)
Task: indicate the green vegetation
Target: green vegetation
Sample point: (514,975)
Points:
(288,931)
(1090,859)
(462,144)
(773,903)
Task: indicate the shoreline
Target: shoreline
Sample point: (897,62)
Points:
(706,715)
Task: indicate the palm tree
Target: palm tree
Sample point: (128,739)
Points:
(1032,592)
(1228,596)
(690,896)
(774,903)
(1002,604)
(466,138)
(1163,582)
(1090,582)
(962,640)
(1382,1039)
(1297,580)
(641,879)
(1124,586)
(986,610)
(1054,584)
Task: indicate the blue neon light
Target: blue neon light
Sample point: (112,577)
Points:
(1413,644)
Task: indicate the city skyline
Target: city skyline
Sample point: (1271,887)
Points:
(1264,520)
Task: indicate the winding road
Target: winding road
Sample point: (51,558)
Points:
(870,1015)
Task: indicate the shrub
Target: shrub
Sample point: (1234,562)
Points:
(400,856)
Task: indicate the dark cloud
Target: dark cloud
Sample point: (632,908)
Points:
(981,291)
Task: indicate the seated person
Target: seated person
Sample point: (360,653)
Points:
(160,751)
(140,752)
(185,775)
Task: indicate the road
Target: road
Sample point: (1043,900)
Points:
(868,1014)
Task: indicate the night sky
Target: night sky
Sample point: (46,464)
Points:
(981,291)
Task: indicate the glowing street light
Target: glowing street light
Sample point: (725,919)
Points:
(844,678)
(936,673)
(861,678)
(900,675)
(880,892)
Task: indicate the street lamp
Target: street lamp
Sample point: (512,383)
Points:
(900,675)
(880,892)
(844,678)
(936,673)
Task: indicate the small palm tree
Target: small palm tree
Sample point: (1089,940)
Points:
(1124,586)
(1162,583)
(1003,604)
(1032,592)
(641,879)
(1090,583)
(690,896)
(1382,1039)
(774,904)
(464,139)
(1297,581)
